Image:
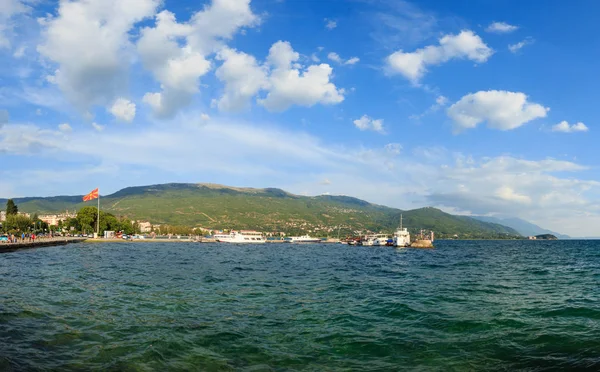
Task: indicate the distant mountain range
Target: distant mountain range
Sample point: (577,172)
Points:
(270,209)
(523,227)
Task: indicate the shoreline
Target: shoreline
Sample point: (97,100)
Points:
(53,242)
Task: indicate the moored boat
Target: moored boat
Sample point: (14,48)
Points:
(304,239)
(401,236)
(244,236)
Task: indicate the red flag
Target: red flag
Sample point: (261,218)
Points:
(91,196)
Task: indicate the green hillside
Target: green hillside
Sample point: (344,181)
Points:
(223,207)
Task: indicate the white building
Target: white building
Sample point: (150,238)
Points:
(54,219)
(145,226)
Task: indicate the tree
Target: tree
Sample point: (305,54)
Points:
(11,208)
(86,218)
(16,223)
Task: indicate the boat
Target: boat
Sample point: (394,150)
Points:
(377,240)
(401,236)
(304,239)
(243,236)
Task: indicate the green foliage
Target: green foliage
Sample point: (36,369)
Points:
(11,207)
(87,218)
(184,206)
(16,223)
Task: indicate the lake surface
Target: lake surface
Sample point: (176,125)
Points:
(478,305)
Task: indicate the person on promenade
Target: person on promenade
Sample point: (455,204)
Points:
(33,238)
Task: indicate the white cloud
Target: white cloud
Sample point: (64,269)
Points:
(9,9)
(366,123)
(499,109)
(243,78)
(514,48)
(314,58)
(413,65)
(20,52)
(204,117)
(286,81)
(564,127)
(177,53)
(501,28)
(325,182)
(89,43)
(123,109)
(381,174)
(337,59)
(393,148)
(65,128)
(334,57)
(19,139)
(330,24)
(98,127)
(508,194)
(290,84)
(352,61)
(440,102)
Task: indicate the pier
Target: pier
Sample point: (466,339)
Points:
(45,242)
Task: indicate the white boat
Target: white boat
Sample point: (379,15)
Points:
(244,236)
(401,236)
(381,240)
(377,240)
(304,239)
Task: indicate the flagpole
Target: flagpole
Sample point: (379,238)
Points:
(98,222)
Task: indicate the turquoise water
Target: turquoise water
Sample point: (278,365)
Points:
(484,305)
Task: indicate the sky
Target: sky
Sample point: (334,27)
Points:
(475,107)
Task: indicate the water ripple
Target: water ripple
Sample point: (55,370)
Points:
(160,306)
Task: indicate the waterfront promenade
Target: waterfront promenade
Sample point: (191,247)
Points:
(44,242)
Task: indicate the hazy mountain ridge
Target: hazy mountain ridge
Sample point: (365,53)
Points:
(524,228)
(268,209)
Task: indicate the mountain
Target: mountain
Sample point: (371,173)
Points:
(523,227)
(270,209)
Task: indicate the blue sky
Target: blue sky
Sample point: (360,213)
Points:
(474,107)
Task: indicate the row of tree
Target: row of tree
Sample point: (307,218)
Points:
(87,219)
(85,222)
(16,223)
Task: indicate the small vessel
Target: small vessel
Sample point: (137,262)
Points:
(243,236)
(401,236)
(304,239)
(377,240)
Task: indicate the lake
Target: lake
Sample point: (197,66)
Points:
(465,305)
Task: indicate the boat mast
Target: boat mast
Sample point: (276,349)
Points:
(400,221)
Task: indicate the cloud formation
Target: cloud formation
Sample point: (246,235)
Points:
(9,9)
(564,127)
(413,65)
(336,58)
(367,123)
(123,109)
(92,73)
(501,28)
(178,53)
(290,84)
(499,109)
(514,48)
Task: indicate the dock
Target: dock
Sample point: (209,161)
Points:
(11,247)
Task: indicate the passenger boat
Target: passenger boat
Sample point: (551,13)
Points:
(377,240)
(243,236)
(304,239)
